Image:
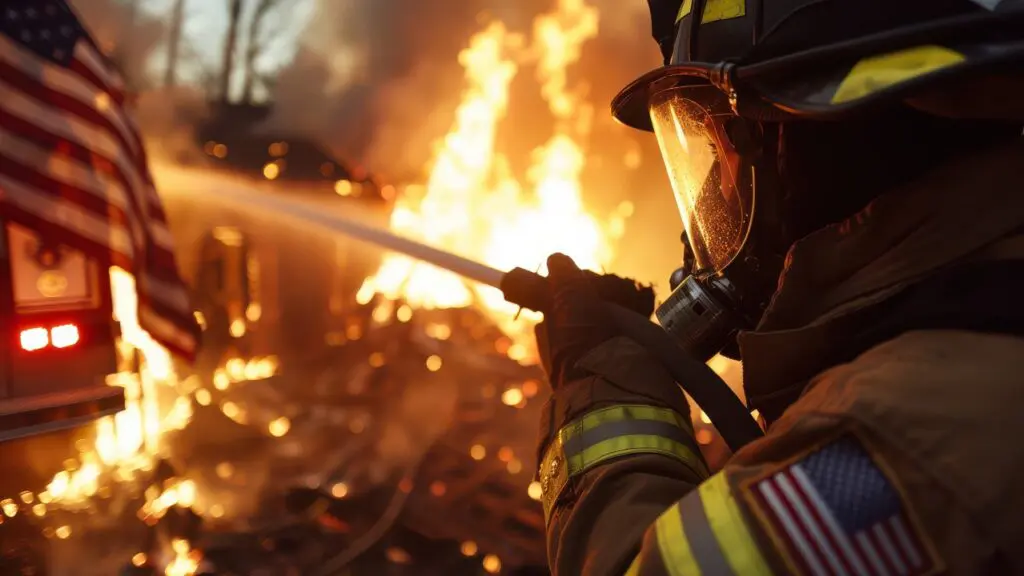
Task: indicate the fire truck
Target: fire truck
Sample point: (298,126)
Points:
(59,346)
(58,322)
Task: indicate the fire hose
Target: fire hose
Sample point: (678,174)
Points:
(529,290)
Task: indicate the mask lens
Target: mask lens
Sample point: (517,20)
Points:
(712,185)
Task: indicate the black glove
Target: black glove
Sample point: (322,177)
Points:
(576,321)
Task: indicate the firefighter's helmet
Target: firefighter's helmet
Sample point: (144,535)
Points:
(735,76)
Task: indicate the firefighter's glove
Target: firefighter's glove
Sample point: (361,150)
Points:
(577,321)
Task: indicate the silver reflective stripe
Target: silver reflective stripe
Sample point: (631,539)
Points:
(609,430)
(703,545)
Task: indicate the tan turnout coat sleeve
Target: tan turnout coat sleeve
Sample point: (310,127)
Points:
(932,418)
(938,413)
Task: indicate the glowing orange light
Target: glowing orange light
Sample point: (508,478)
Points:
(33,339)
(343,188)
(492,564)
(438,489)
(512,396)
(535,490)
(64,336)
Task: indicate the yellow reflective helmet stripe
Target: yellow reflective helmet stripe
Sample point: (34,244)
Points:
(877,73)
(715,10)
(684,10)
(614,432)
(705,533)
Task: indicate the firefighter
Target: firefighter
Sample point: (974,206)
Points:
(850,174)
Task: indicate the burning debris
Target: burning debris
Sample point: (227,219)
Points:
(245,490)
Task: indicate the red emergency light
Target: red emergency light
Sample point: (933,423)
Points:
(38,338)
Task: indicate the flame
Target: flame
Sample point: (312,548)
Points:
(186,560)
(130,441)
(181,493)
(473,205)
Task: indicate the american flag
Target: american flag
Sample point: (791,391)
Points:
(839,514)
(72,164)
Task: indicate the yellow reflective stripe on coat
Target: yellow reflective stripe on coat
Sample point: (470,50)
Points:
(877,73)
(705,533)
(715,10)
(614,432)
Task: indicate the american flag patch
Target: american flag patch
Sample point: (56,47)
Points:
(837,512)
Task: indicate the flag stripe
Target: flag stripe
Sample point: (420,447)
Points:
(71,198)
(890,537)
(872,536)
(874,558)
(172,294)
(90,64)
(889,553)
(88,160)
(70,130)
(69,90)
(45,224)
(67,215)
(105,189)
(83,69)
(849,552)
(904,539)
(792,551)
(42,182)
(165,331)
(88,56)
(796,535)
(84,108)
(811,525)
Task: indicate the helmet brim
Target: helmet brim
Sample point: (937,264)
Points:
(630,105)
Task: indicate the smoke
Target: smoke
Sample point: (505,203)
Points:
(379,81)
(128,35)
(135,41)
(370,78)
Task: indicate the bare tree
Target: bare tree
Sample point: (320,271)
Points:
(174,43)
(234,15)
(257,43)
(132,9)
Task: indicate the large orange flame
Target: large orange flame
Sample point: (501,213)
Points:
(471,204)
